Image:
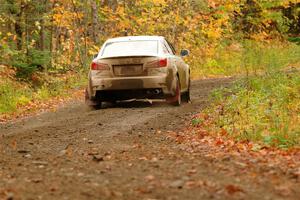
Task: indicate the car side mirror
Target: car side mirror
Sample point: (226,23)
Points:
(184,53)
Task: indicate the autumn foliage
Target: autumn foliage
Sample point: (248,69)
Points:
(60,35)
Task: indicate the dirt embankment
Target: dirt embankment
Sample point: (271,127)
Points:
(124,152)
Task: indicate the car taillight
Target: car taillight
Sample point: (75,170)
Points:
(99,66)
(158,63)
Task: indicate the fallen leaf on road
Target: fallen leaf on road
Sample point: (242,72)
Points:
(14,145)
(23,151)
(143,158)
(192,171)
(98,158)
(283,190)
(36,180)
(232,189)
(177,184)
(39,162)
(191,184)
(219,142)
(149,178)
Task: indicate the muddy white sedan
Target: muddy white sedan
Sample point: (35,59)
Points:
(139,67)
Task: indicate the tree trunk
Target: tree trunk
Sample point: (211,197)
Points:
(18,26)
(95,26)
(42,35)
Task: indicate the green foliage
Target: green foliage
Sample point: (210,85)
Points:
(11,96)
(27,64)
(15,95)
(263,108)
(246,57)
(295,40)
(196,121)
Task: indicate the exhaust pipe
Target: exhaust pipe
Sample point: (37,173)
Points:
(157,91)
(153,92)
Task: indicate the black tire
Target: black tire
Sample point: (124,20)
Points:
(186,97)
(92,103)
(177,97)
(97,106)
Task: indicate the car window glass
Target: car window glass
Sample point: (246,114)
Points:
(172,49)
(168,47)
(130,48)
(165,49)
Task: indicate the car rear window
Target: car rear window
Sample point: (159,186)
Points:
(130,48)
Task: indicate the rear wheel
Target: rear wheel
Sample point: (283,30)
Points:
(92,103)
(187,95)
(176,100)
(97,106)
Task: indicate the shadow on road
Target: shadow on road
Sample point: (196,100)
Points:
(135,104)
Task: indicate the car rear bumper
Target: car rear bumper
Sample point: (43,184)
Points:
(131,83)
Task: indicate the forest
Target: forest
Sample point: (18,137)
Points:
(46,47)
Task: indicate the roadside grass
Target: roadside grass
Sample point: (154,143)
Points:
(263,105)
(12,95)
(16,94)
(261,109)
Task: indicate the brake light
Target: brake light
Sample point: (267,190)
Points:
(158,63)
(163,62)
(99,66)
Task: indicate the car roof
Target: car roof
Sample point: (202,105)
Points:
(135,38)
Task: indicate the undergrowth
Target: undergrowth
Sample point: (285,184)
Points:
(16,94)
(247,57)
(263,106)
(263,109)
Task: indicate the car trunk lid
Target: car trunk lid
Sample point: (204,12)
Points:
(129,66)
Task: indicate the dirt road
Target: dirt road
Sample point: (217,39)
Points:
(121,152)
